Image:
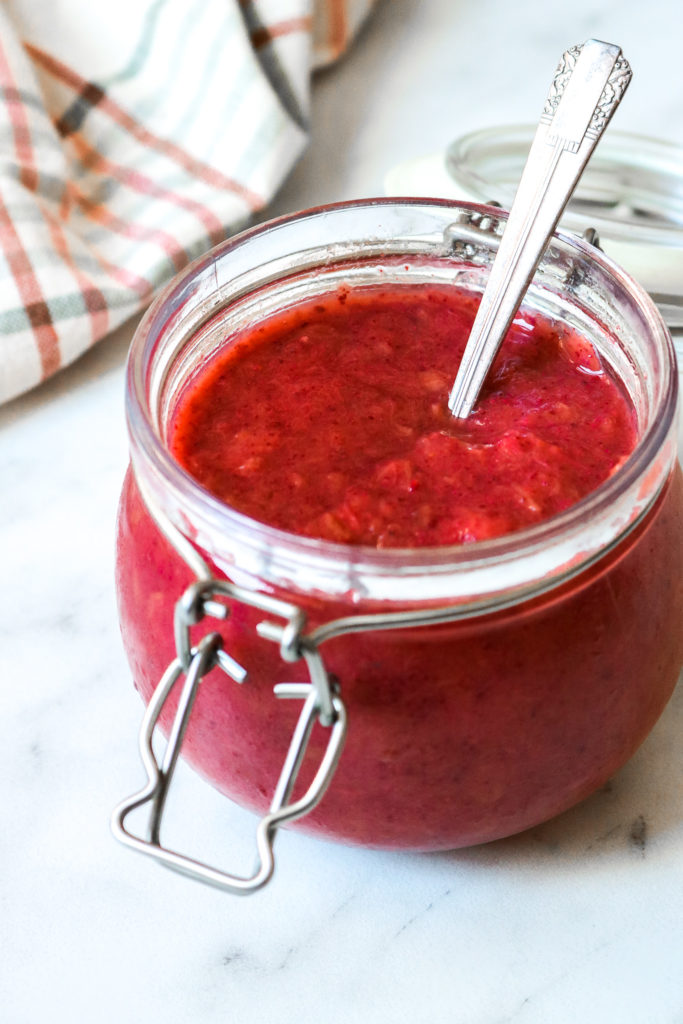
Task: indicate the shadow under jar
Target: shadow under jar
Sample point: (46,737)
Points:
(565,641)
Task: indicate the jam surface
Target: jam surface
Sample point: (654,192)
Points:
(331,421)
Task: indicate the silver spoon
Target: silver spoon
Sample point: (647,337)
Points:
(586,90)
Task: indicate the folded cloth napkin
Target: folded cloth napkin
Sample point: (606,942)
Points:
(135,136)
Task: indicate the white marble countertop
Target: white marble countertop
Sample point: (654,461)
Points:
(578,920)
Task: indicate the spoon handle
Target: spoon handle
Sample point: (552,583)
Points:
(586,90)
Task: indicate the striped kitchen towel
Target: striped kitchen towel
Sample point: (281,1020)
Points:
(135,135)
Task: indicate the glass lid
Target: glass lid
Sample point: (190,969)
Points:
(631,192)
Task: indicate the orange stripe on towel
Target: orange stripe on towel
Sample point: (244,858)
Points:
(204,172)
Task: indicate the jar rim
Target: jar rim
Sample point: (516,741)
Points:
(355,561)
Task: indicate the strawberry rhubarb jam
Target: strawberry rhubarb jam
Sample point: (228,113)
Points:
(331,421)
(304,447)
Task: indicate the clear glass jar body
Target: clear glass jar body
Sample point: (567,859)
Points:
(551,673)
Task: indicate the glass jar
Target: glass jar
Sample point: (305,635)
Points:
(487,687)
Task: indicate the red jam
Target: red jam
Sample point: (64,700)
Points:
(331,421)
(458,733)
